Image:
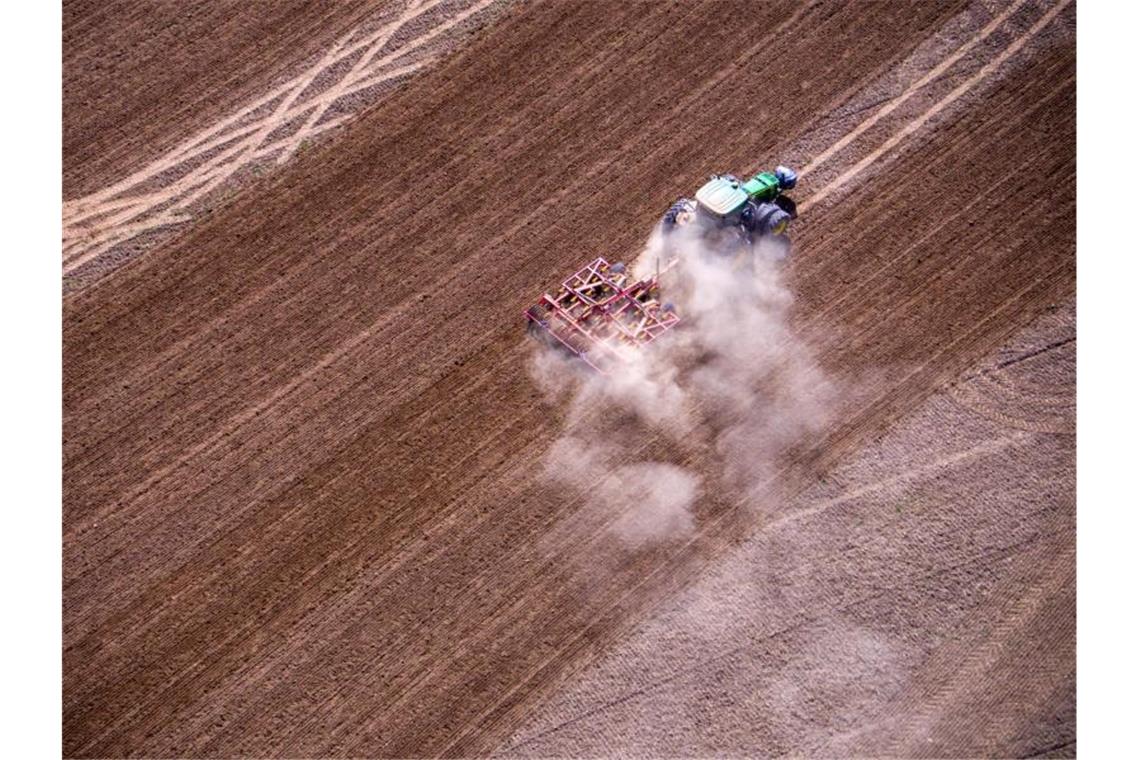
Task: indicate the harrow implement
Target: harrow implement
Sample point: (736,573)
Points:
(599,309)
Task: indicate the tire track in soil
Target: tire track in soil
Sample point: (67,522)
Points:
(1030,387)
(912,127)
(155,72)
(913,89)
(313,535)
(166,191)
(967,676)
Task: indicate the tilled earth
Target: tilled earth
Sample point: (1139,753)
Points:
(304,504)
(941,622)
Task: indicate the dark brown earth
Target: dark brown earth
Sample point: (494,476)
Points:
(303,504)
(138,75)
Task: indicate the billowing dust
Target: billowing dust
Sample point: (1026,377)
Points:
(713,406)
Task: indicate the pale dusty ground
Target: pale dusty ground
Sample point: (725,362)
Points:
(933,560)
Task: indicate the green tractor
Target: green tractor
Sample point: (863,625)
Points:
(744,211)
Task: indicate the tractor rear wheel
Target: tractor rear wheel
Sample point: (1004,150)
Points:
(680,213)
(787,204)
(768,219)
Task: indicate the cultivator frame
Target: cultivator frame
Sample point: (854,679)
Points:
(597,309)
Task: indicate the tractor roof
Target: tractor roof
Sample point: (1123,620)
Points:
(721,196)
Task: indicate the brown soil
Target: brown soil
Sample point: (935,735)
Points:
(303,504)
(153,72)
(309,99)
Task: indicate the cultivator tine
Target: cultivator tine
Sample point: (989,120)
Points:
(593,313)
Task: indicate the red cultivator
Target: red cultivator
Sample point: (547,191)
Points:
(598,309)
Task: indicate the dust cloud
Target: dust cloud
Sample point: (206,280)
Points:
(726,394)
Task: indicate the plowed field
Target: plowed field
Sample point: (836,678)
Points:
(305,508)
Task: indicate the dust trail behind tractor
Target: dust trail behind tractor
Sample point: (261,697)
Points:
(598,310)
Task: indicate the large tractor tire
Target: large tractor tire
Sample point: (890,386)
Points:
(765,219)
(788,205)
(680,213)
